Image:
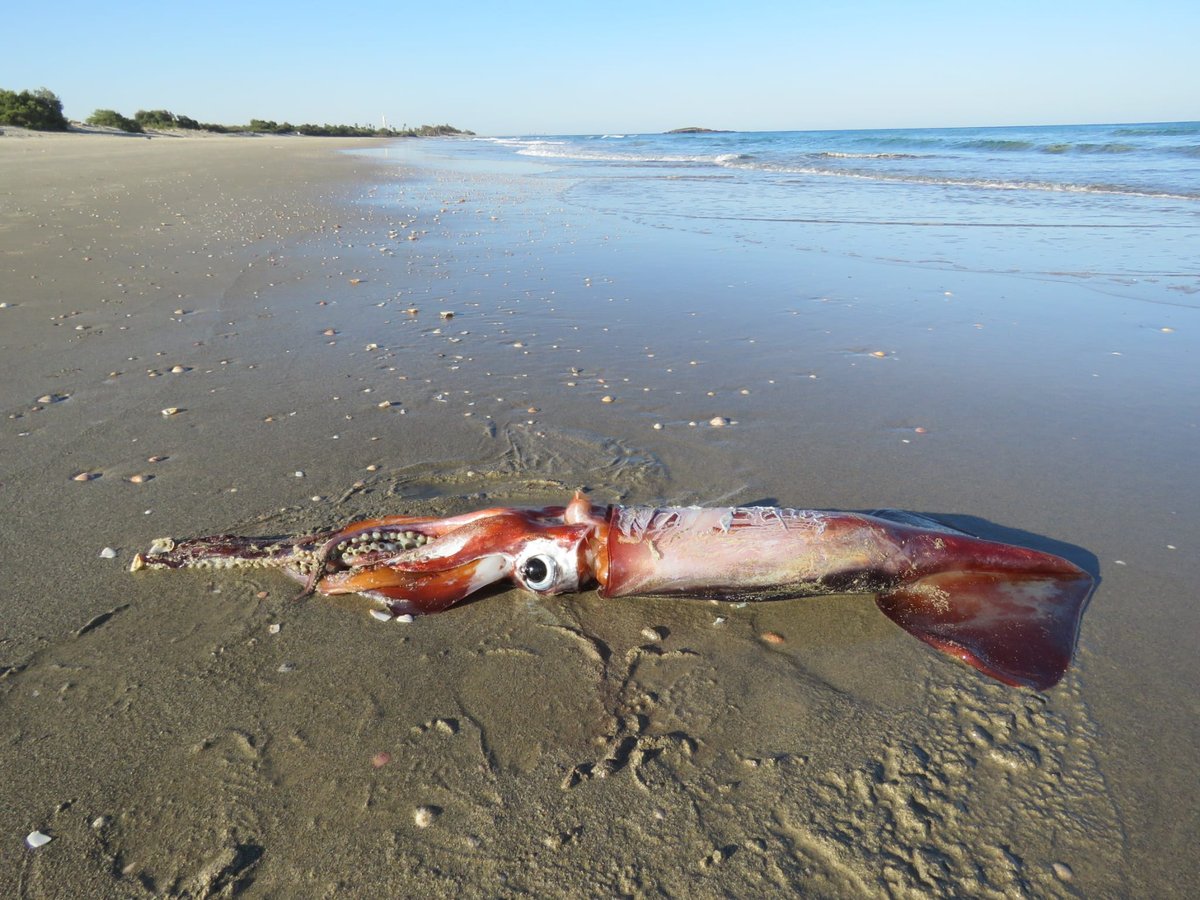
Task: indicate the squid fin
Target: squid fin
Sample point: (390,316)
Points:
(1017,627)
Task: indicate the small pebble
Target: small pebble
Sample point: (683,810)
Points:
(1062,871)
(607,398)
(177,370)
(36,839)
(878,354)
(273,628)
(108,553)
(263,595)
(381,759)
(171,411)
(772,637)
(139,478)
(423,816)
(658,426)
(446,314)
(406,618)
(156,459)
(381,615)
(287,667)
(85,476)
(718,421)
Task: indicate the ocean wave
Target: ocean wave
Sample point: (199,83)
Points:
(1082,160)
(1005,146)
(836,154)
(1191,129)
(979,183)
(1107,148)
(562,150)
(518,141)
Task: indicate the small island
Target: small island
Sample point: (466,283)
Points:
(694,129)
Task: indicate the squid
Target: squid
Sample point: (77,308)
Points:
(1011,612)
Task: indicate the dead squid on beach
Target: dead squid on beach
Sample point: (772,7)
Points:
(1011,612)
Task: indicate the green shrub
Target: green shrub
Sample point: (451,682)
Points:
(39,109)
(155,118)
(110,118)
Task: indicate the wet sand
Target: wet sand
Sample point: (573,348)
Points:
(172,741)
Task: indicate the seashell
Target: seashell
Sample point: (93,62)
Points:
(423,816)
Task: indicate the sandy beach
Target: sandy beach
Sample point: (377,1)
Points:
(204,734)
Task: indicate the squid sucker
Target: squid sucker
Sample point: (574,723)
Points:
(1010,612)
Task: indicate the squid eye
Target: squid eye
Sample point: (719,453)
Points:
(539,573)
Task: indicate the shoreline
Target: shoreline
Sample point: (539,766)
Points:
(169,741)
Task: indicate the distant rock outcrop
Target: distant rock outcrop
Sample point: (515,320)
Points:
(695,129)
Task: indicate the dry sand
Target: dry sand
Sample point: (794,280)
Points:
(172,742)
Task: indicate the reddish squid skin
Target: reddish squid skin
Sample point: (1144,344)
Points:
(1010,612)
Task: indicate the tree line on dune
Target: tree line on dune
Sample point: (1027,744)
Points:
(42,110)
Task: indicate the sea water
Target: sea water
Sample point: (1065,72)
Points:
(1080,201)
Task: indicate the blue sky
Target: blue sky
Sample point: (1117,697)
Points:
(521,67)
